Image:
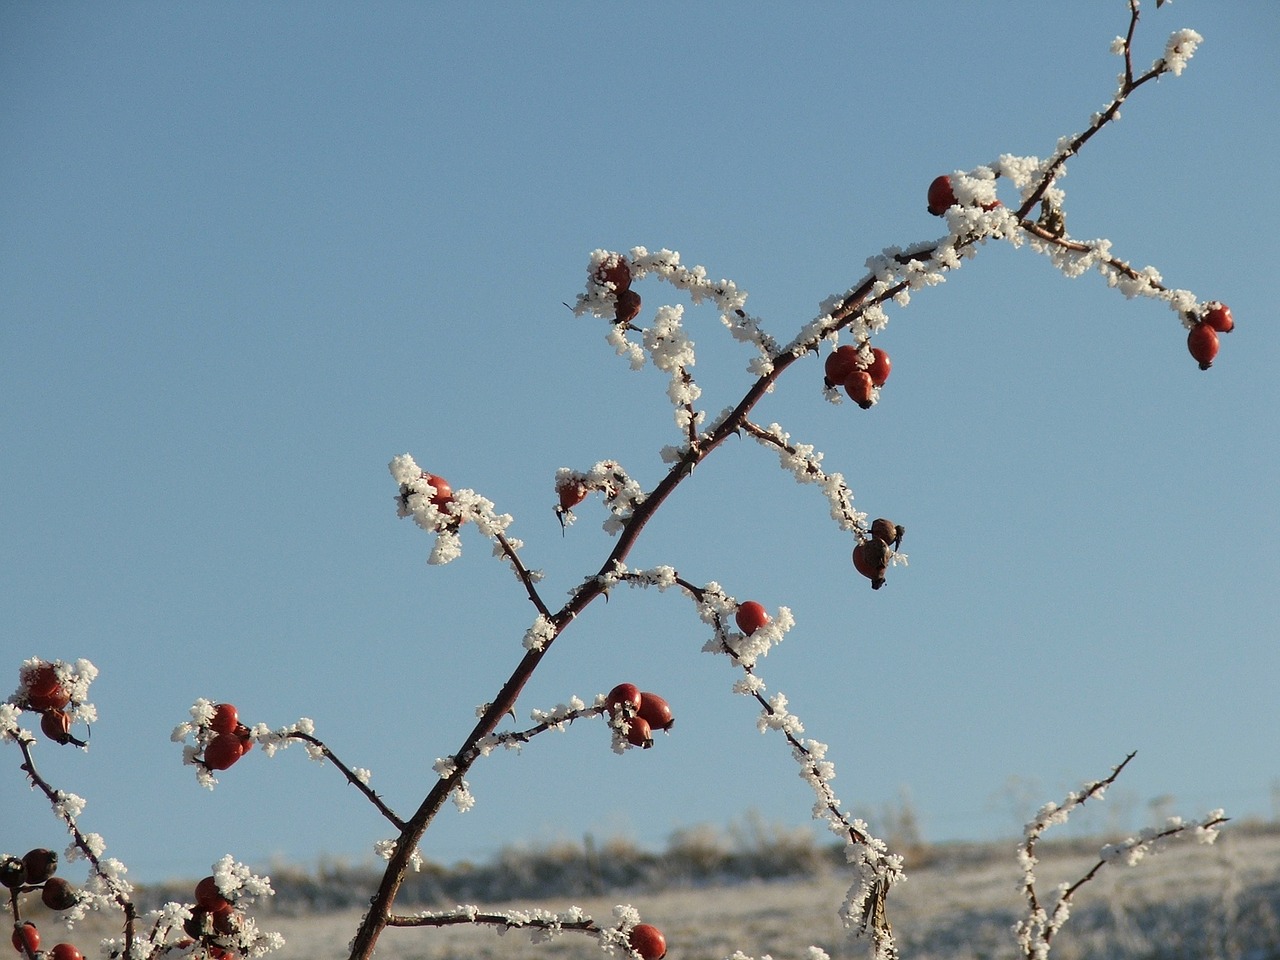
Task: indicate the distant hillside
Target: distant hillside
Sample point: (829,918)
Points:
(697,858)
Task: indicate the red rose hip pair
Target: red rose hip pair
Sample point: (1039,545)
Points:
(1202,341)
(231,739)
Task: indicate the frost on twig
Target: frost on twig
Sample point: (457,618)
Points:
(876,868)
(541,925)
(1036,930)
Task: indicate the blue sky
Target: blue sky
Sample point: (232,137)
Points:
(250,253)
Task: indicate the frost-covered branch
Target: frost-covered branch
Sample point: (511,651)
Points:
(1035,931)
(877,868)
(627,934)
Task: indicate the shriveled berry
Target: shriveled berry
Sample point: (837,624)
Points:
(656,711)
(751,616)
(648,941)
(58,894)
(628,306)
(860,388)
(623,700)
(871,559)
(1219,317)
(886,531)
(840,364)
(639,733)
(1202,341)
(941,195)
(39,865)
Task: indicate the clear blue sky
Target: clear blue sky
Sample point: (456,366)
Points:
(249,253)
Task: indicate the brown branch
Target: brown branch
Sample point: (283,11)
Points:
(852,305)
(126,905)
(352,779)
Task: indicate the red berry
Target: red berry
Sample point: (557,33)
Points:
(26,938)
(43,679)
(624,699)
(639,733)
(614,270)
(656,711)
(880,366)
(1219,317)
(648,941)
(224,750)
(65,951)
(859,386)
(1202,341)
(443,492)
(209,898)
(628,306)
(56,725)
(941,196)
(58,894)
(39,865)
(226,921)
(571,493)
(44,688)
(751,616)
(871,559)
(194,925)
(225,718)
(840,364)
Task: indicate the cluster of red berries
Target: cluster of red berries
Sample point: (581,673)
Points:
(214,918)
(648,941)
(642,712)
(231,739)
(871,557)
(943,196)
(616,272)
(859,370)
(35,871)
(1202,341)
(44,691)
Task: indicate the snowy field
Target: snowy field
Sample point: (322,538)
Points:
(1219,902)
(1203,902)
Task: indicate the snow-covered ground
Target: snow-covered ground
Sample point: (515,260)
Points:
(1202,902)
(1219,902)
